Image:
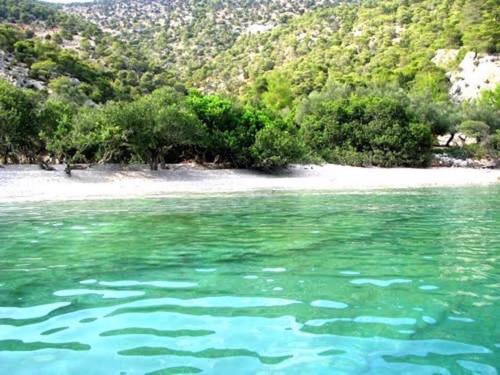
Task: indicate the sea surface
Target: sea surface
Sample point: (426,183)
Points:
(391,282)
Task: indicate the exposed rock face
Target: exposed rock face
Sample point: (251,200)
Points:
(475,73)
(17,73)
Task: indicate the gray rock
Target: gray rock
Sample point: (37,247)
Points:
(444,160)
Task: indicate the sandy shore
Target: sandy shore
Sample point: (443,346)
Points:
(30,183)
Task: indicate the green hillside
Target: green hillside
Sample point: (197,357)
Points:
(377,41)
(352,83)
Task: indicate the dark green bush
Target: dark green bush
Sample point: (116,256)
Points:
(277,145)
(367,130)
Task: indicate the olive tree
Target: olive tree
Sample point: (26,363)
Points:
(144,129)
(18,122)
(476,129)
(159,122)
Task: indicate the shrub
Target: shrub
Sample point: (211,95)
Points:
(18,122)
(495,141)
(276,145)
(367,130)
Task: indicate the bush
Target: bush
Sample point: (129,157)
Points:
(227,141)
(44,69)
(495,140)
(476,151)
(18,122)
(367,130)
(276,145)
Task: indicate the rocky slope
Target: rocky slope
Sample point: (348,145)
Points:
(17,73)
(236,46)
(184,34)
(475,73)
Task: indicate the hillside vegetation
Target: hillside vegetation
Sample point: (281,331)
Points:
(247,84)
(378,41)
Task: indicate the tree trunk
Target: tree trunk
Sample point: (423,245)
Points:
(68,169)
(153,161)
(45,166)
(452,135)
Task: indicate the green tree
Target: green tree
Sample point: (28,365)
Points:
(98,134)
(277,145)
(442,116)
(159,122)
(69,90)
(24,51)
(56,122)
(476,129)
(495,142)
(18,122)
(278,94)
(220,118)
(44,69)
(8,37)
(146,129)
(486,108)
(366,130)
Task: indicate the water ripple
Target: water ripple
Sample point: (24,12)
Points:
(101,292)
(329,304)
(157,284)
(381,283)
(261,284)
(30,312)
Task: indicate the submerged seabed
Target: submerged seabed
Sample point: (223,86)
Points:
(382,283)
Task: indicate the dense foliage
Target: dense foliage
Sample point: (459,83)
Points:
(18,132)
(365,128)
(165,126)
(375,41)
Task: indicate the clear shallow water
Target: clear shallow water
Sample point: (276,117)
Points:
(385,283)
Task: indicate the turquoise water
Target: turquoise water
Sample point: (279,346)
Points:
(382,283)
